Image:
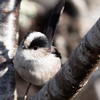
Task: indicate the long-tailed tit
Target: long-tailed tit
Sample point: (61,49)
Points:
(37,60)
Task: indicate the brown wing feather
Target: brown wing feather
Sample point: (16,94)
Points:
(56,52)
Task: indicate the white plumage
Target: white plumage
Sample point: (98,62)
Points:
(36,66)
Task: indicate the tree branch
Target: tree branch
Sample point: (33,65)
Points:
(76,71)
(9,13)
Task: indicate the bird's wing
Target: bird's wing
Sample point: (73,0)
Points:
(55,51)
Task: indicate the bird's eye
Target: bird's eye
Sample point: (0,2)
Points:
(35,47)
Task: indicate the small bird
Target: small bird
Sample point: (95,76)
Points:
(36,59)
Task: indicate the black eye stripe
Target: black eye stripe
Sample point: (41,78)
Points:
(40,42)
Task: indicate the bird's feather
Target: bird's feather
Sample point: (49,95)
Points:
(54,18)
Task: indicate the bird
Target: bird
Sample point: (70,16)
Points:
(36,59)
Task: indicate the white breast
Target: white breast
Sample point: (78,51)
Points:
(36,70)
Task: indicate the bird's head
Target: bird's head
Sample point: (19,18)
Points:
(36,44)
(35,40)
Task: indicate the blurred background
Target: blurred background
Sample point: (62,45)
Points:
(76,20)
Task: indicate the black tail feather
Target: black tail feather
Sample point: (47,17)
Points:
(54,20)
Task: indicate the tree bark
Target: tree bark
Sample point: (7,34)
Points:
(9,13)
(76,71)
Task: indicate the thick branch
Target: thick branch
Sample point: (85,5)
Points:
(9,12)
(76,70)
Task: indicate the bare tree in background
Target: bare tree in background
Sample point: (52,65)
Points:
(9,13)
(73,74)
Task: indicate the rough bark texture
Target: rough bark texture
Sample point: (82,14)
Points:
(76,70)
(9,13)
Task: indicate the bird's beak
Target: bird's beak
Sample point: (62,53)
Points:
(23,47)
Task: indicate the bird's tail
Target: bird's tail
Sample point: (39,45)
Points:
(53,20)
